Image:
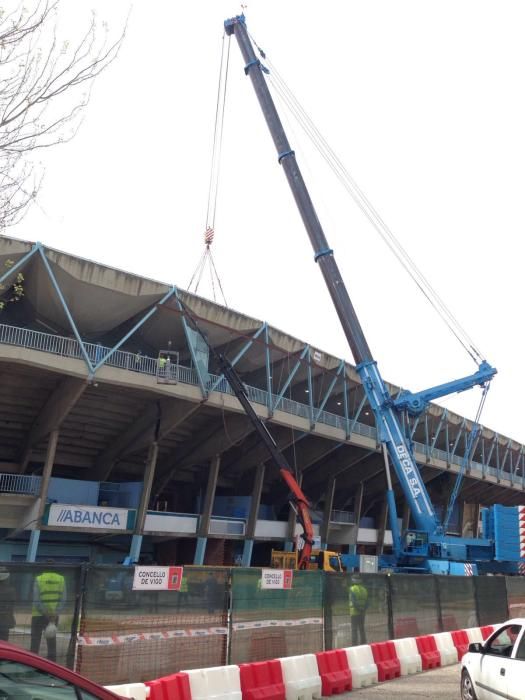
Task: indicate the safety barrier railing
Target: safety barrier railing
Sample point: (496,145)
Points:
(342,516)
(136,362)
(436,453)
(227,526)
(23,484)
(36,340)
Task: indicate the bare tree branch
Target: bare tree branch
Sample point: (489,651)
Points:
(45,85)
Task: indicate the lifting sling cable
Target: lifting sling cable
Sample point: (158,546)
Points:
(197,275)
(402,256)
(217,135)
(213,187)
(366,207)
(469,453)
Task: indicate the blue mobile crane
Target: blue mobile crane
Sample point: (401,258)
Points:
(427,547)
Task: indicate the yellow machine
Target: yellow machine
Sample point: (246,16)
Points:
(319,559)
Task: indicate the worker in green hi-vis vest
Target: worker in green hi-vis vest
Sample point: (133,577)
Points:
(49,596)
(358,603)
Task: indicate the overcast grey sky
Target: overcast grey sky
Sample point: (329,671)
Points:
(424,103)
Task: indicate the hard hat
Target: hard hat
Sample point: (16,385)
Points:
(50,631)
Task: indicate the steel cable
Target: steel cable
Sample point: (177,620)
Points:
(366,207)
(213,186)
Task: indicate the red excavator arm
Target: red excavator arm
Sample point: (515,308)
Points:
(303,516)
(298,500)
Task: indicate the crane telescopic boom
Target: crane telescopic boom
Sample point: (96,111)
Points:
(389,428)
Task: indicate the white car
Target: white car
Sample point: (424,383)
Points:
(495,669)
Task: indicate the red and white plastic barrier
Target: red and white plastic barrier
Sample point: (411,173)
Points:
(138,691)
(385,657)
(336,676)
(310,676)
(408,655)
(262,680)
(446,648)
(362,665)
(301,677)
(219,683)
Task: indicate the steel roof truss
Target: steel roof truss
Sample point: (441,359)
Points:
(329,391)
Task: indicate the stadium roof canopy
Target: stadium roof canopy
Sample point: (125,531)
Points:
(79,353)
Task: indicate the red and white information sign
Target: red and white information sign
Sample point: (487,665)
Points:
(157,578)
(277,578)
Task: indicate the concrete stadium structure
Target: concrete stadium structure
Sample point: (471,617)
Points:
(104,452)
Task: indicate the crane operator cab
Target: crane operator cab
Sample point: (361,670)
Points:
(415,543)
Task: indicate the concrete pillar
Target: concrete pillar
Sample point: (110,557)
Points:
(383,519)
(52,415)
(328,505)
(252,517)
(469,521)
(149,473)
(358,509)
(48,468)
(358,503)
(134,550)
(461,515)
(475,515)
(204,520)
(247,551)
(44,488)
(33,545)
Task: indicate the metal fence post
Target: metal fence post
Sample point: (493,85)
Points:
(78,619)
(324,598)
(476,601)
(229,616)
(438,603)
(509,615)
(390,607)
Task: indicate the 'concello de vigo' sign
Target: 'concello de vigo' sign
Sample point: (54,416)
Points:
(91,517)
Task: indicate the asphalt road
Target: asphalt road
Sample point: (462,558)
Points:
(440,684)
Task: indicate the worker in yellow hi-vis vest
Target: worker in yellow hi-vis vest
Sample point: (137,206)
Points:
(358,603)
(49,596)
(183,592)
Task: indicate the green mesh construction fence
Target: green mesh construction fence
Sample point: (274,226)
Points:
(128,635)
(33,596)
(491,599)
(457,601)
(266,624)
(113,634)
(516,595)
(415,608)
(356,609)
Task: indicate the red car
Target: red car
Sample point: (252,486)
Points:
(26,676)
